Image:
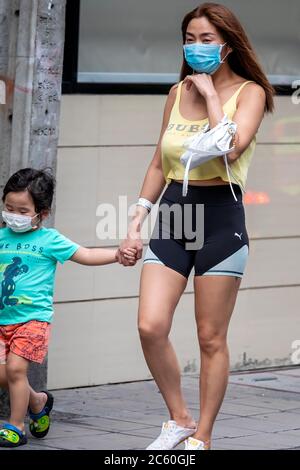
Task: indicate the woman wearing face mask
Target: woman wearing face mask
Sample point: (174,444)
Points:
(220,76)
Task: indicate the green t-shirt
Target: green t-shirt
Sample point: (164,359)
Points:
(27,273)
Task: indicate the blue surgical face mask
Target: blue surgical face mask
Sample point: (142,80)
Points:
(204,58)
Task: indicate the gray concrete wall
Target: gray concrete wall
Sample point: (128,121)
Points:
(106,144)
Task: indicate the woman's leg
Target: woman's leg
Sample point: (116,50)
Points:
(13,377)
(160,290)
(215,298)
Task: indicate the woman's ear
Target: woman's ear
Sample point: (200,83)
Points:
(228,51)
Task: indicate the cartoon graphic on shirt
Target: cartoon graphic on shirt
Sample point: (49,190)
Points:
(8,284)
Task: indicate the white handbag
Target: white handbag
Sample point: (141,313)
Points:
(206,145)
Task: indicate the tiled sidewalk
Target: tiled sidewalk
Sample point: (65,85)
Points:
(261,410)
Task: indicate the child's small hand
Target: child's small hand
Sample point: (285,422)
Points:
(130,255)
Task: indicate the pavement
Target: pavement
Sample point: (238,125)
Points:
(261,410)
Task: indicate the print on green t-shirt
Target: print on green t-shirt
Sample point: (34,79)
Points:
(27,273)
(11,275)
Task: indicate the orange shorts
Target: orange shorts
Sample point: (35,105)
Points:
(29,340)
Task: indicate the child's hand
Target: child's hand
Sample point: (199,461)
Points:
(130,255)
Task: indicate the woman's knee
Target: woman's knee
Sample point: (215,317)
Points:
(150,331)
(211,341)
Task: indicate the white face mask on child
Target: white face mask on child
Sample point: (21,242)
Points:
(18,223)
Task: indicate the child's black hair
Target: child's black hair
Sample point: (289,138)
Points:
(39,183)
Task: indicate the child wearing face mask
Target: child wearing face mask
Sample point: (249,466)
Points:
(28,256)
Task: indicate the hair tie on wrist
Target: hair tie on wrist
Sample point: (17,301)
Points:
(145,203)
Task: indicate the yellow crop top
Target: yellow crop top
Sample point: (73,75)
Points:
(179,129)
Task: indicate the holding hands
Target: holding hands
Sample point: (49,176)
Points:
(131,248)
(129,251)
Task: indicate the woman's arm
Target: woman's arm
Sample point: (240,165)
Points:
(152,186)
(101,256)
(154,180)
(248,116)
(205,86)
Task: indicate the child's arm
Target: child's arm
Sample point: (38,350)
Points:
(100,256)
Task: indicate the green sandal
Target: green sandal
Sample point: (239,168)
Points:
(39,423)
(10,436)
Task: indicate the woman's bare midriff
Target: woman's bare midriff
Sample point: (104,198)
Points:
(211,182)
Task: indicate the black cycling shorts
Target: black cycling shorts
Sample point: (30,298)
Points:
(204,229)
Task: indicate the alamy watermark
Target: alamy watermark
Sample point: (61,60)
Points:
(183,222)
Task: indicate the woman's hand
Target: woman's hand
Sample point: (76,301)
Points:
(128,254)
(203,82)
(132,242)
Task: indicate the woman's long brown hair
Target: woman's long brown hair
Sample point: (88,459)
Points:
(242,60)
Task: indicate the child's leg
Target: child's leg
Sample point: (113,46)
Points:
(37,400)
(16,373)
(3,379)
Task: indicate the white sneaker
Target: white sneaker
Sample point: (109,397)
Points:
(194,444)
(171,435)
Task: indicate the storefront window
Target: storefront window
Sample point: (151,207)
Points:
(133,41)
